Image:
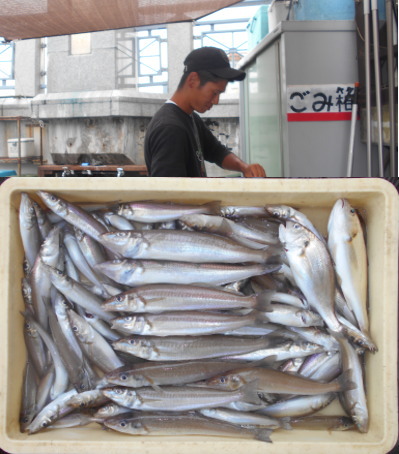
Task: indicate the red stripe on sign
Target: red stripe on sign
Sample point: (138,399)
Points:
(320,116)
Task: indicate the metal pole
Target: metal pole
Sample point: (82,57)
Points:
(391,86)
(366,10)
(353,131)
(19,146)
(377,74)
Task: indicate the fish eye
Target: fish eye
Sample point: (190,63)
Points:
(129,318)
(223,380)
(297,226)
(44,424)
(275,213)
(353,211)
(132,341)
(120,298)
(75,328)
(123,377)
(123,423)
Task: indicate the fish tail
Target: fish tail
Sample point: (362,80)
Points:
(249,393)
(263,435)
(212,207)
(345,381)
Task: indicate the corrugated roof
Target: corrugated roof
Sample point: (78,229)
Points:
(22,19)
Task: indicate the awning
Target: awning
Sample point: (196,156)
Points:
(22,19)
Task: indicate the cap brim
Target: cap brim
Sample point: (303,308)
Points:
(228,73)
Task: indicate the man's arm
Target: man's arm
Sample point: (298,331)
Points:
(233,162)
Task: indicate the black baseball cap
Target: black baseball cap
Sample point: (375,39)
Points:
(213,60)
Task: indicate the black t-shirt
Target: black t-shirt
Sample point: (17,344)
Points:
(176,144)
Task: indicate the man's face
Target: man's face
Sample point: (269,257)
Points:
(206,96)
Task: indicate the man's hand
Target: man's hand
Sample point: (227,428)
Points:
(233,162)
(254,171)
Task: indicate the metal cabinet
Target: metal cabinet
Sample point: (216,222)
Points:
(301,55)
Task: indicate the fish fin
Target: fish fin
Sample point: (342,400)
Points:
(249,392)
(156,387)
(263,435)
(286,423)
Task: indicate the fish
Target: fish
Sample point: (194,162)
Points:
(181,323)
(95,347)
(298,406)
(274,381)
(185,424)
(245,418)
(285,314)
(143,272)
(242,211)
(147,211)
(313,270)
(177,398)
(348,248)
(354,400)
(77,293)
(183,246)
(61,374)
(322,422)
(166,373)
(29,397)
(288,213)
(178,348)
(48,255)
(238,231)
(158,298)
(280,351)
(73,214)
(53,411)
(29,229)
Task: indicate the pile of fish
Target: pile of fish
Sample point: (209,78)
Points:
(164,318)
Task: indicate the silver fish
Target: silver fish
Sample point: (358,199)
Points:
(61,374)
(158,298)
(178,348)
(142,272)
(281,351)
(29,229)
(274,381)
(73,214)
(284,314)
(186,424)
(161,373)
(183,246)
(96,348)
(76,292)
(245,418)
(322,422)
(242,211)
(235,230)
(162,212)
(177,398)
(287,213)
(354,400)
(180,323)
(348,249)
(29,397)
(313,270)
(298,406)
(56,409)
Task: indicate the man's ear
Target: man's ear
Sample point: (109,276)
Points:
(193,79)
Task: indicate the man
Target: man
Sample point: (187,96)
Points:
(177,141)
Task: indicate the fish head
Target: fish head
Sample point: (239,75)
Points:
(229,382)
(131,426)
(130,324)
(279,211)
(56,204)
(27,213)
(116,303)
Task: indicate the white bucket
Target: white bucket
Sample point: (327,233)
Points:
(278,11)
(27,147)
